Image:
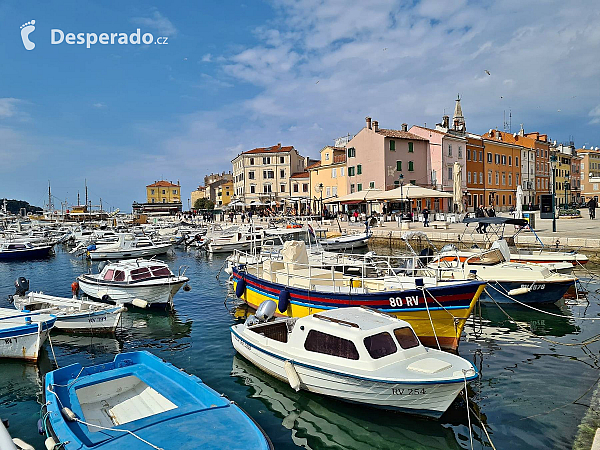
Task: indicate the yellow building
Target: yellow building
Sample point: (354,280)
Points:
(224,193)
(562,174)
(329,175)
(163,192)
(197,194)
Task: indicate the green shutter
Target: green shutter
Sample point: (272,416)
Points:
(399,166)
(410,147)
(392,145)
(359,187)
(411,166)
(358,169)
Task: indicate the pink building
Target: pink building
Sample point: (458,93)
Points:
(447,145)
(376,157)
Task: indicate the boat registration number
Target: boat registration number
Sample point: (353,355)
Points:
(10,340)
(97,319)
(406,391)
(535,287)
(244,344)
(410,300)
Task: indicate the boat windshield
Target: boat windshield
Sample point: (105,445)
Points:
(380,345)
(319,342)
(119,275)
(406,338)
(140,274)
(159,271)
(108,275)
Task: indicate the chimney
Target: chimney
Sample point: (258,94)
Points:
(404,127)
(375,126)
(446,121)
(368,119)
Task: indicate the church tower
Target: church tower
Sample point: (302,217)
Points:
(458,119)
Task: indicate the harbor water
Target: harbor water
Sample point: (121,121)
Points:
(535,386)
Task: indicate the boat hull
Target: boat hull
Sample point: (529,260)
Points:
(99,254)
(541,292)
(457,302)
(420,398)
(32,253)
(24,342)
(94,322)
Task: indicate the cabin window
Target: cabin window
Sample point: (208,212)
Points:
(119,275)
(158,271)
(140,274)
(380,345)
(109,274)
(327,344)
(406,338)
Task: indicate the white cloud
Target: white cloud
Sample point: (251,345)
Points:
(8,107)
(99,105)
(206,58)
(157,21)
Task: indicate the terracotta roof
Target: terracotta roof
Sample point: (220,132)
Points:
(162,183)
(300,175)
(274,149)
(314,165)
(333,148)
(400,134)
(432,130)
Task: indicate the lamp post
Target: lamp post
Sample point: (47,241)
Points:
(321,192)
(401,182)
(553,163)
(566,193)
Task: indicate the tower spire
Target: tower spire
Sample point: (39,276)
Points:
(458,119)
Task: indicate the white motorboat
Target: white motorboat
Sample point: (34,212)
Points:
(72,314)
(22,334)
(138,282)
(236,238)
(354,354)
(128,246)
(9,443)
(346,241)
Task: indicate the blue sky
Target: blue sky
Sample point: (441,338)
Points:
(236,75)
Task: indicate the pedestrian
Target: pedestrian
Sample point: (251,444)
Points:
(356,215)
(592,205)
(425,217)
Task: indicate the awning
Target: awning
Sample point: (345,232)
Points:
(362,196)
(352,202)
(410,191)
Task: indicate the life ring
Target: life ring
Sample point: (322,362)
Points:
(284,300)
(240,288)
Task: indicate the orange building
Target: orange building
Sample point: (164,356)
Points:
(542,164)
(475,174)
(502,170)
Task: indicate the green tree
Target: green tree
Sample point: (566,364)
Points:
(204,203)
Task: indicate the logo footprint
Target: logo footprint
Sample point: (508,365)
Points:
(26,30)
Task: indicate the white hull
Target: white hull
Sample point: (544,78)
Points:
(25,346)
(125,294)
(345,242)
(100,254)
(431,399)
(229,247)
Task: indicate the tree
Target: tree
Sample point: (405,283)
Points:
(204,203)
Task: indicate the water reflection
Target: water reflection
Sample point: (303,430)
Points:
(319,422)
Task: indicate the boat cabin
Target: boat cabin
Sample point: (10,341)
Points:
(126,271)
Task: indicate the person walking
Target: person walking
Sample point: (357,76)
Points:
(592,205)
(425,217)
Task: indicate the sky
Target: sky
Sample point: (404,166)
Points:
(238,75)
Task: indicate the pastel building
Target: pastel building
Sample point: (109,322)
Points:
(381,158)
(329,174)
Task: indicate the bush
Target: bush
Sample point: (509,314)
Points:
(569,212)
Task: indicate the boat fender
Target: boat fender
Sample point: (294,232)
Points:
(22,445)
(91,248)
(266,310)
(139,303)
(519,291)
(284,300)
(228,270)
(75,288)
(50,443)
(292,375)
(40,426)
(240,288)
(187,287)
(106,298)
(68,414)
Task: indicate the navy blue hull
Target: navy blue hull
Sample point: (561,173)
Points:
(549,292)
(30,253)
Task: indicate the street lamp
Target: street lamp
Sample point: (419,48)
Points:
(319,189)
(553,163)
(401,182)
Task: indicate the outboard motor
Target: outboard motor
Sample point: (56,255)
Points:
(266,310)
(21,286)
(251,320)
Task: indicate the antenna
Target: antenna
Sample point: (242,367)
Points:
(86,195)
(50,204)
(508,123)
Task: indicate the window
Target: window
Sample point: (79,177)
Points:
(351,152)
(489,158)
(497,178)
(120,275)
(358,169)
(251,175)
(341,171)
(460,151)
(480,177)
(151,191)
(510,160)
(399,166)
(380,345)
(516,161)
(411,148)
(510,178)
(328,344)
(164,191)
(333,172)
(164,200)
(281,159)
(267,160)
(359,187)
(251,161)
(305,187)
(253,189)
(352,190)
(327,156)
(266,188)
(413,182)
(295,187)
(140,274)
(334,190)
(152,200)
(497,158)
(351,171)
(481,156)
(371,185)
(504,160)
(469,155)
(449,149)
(489,177)
(503,178)
(406,338)
(392,145)
(328,191)
(109,274)
(174,191)
(411,166)
(281,173)
(396,183)
(268,174)
(282,188)
(504,199)
(469,177)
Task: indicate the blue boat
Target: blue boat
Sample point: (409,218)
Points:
(23,250)
(140,401)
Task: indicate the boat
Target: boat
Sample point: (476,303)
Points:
(22,334)
(127,247)
(140,282)
(140,401)
(357,355)
(23,250)
(72,314)
(9,443)
(235,238)
(525,282)
(436,309)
